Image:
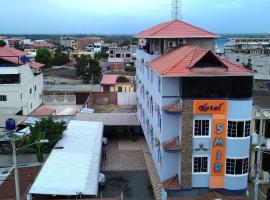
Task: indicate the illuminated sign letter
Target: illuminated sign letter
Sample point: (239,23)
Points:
(218,167)
(219,153)
(219,128)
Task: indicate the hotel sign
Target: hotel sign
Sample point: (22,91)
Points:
(218,110)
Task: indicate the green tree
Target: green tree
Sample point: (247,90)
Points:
(60,59)
(88,68)
(122,79)
(45,129)
(44,56)
(101,55)
(125,43)
(2,43)
(248,65)
(18,46)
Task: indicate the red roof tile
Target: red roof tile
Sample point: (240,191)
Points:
(13,55)
(175,107)
(175,29)
(108,80)
(44,111)
(184,61)
(172,145)
(209,196)
(171,183)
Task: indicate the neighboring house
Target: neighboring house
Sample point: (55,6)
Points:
(195,109)
(69,42)
(87,43)
(78,53)
(116,64)
(125,53)
(21,82)
(110,83)
(253,50)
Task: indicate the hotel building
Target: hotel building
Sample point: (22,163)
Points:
(195,109)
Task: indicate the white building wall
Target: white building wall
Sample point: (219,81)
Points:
(261,64)
(18,95)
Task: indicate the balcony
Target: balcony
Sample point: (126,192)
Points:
(171,183)
(172,145)
(173,108)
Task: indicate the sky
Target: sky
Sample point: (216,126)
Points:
(129,16)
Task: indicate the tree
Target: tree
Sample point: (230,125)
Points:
(60,59)
(88,68)
(45,129)
(248,65)
(18,46)
(44,56)
(2,43)
(122,79)
(101,55)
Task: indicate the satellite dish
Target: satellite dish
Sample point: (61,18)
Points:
(24,59)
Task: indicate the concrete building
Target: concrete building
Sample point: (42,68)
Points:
(78,53)
(87,43)
(194,111)
(21,82)
(110,83)
(69,42)
(125,53)
(250,50)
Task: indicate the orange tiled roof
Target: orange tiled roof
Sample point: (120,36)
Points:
(175,107)
(185,61)
(44,111)
(171,183)
(108,80)
(172,145)
(175,29)
(13,55)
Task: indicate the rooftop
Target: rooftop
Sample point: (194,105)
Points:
(193,61)
(108,80)
(175,29)
(44,111)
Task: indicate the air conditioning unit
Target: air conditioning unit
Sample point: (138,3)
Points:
(255,139)
(172,44)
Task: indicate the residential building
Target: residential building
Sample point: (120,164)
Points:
(111,83)
(69,42)
(250,50)
(87,42)
(195,109)
(78,53)
(126,53)
(21,82)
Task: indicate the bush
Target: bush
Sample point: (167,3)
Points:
(122,79)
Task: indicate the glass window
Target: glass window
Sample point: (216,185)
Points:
(3,97)
(151,76)
(159,84)
(236,166)
(201,127)
(238,129)
(200,164)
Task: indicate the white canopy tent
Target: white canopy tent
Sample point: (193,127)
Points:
(73,168)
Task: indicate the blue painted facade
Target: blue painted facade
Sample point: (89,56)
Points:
(159,126)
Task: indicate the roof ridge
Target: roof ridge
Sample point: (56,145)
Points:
(195,50)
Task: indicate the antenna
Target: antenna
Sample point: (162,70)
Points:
(176,9)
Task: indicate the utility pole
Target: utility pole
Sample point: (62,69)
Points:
(16,170)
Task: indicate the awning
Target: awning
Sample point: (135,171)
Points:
(74,168)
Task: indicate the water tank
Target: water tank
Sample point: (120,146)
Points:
(255,139)
(10,124)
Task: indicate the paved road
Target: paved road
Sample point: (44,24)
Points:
(134,184)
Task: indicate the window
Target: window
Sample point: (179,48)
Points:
(147,72)
(159,84)
(249,60)
(118,55)
(151,76)
(35,87)
(238,129)
(200,164)
(128,55)
(3,97)
(201,127)
(120,89)
(30,90)
(237,60)
(236,166)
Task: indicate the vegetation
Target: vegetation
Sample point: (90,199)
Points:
(247,65)
(60,59)
(88,68)
(122,79)
(101,55)
(44,56)
(2,43)
(18,46)
(130,68)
